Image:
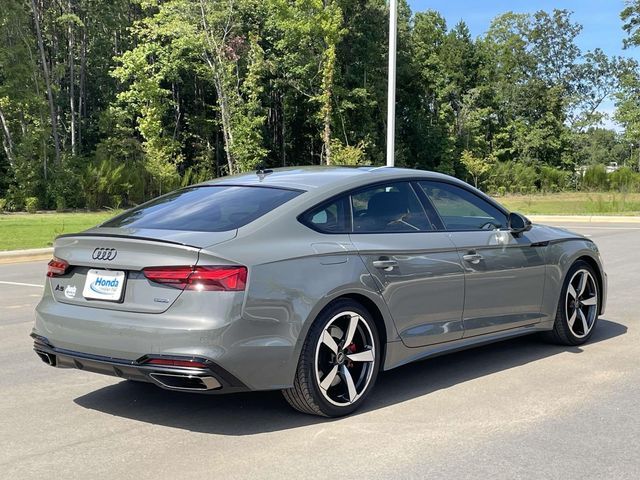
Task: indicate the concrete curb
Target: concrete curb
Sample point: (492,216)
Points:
(32,255)
(584,218)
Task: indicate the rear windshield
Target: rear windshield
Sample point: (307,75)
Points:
(205,209)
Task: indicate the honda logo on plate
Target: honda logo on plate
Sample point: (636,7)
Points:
(104,254)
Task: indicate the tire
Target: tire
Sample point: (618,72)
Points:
(578,307)
(333,377)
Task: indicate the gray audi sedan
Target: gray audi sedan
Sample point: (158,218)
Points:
(310,281)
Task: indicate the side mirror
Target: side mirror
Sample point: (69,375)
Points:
(518,223)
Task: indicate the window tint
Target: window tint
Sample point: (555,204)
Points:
(205,209)
(462,210)
(388,208)
(329,218)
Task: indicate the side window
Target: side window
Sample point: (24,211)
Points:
(460,209)
(388,208)
(329,218)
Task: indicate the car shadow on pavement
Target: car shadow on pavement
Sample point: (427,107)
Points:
(259,412)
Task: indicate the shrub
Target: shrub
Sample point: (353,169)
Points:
(553,179)
(512,177)
(31,204)
(3,204)
(61,204)
(348,154)
(624,180)
(100,181)
(595,178)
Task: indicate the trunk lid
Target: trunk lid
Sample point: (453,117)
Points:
(100,253)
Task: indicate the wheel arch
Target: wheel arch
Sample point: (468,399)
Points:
(375,312)
(599,277)
(374,305)
(560,256)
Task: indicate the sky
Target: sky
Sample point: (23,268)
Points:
(602,27)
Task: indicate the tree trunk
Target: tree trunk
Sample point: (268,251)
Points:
(47,78)
(72,82)
(83,75)
(327,98)
(225,116)
(283,123)
(7,141)
(216,66)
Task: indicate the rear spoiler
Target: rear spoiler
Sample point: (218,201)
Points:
(131,237)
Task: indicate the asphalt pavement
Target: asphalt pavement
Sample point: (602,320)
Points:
(517,409)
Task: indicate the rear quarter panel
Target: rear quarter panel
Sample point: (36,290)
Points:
(294,273)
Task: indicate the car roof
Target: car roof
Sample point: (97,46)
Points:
(311,178)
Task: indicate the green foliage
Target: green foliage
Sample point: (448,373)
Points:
(512,177)
(595,178)
(476,167)
(31,204)
(3,204)
(134,98)
(352,155)
(100,183)
(553,179)
(624,180)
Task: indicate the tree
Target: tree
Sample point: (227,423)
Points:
(309,32)
(475,166)
(158,94)
(37,16)
(630,15)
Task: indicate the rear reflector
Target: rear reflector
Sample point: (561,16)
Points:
(57,267)
(169,362)
(227,278)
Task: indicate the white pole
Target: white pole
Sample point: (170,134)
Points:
(391,96)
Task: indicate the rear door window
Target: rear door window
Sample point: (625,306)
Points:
(205,209)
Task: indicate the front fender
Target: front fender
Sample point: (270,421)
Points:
(560,255)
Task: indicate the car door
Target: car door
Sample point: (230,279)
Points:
(417,268)
(504,273)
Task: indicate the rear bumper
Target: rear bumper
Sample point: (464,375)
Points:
(212,379)
(257,352)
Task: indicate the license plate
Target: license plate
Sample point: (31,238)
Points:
(104,285)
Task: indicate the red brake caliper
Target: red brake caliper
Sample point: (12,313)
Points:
(352,349)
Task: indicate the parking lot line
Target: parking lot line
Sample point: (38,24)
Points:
(19,284)
(590,227)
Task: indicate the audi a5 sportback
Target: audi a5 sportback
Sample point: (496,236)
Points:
(309,280)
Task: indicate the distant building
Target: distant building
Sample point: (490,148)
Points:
(612,167)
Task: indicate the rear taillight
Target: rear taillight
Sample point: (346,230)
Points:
(170,362)
(57,267)
(227,278)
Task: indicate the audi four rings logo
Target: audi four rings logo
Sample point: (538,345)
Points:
(104,254)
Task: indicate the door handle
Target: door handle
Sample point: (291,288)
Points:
(385,263)
(473,258)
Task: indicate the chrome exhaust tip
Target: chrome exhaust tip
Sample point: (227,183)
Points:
(47,358)
(185,381)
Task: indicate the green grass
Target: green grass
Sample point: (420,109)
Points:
(574,203)
(37,230)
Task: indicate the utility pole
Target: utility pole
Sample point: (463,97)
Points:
(391,96)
